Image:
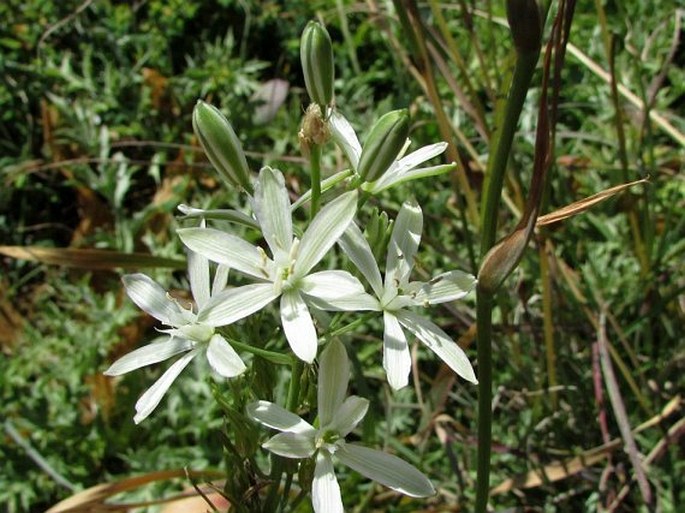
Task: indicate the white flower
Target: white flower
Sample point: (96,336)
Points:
(396,293)
(186,333)
(402,170)
(287,273)
(338,416)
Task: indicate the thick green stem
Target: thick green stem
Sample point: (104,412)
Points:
(499,155)
(501,146)
(315,169)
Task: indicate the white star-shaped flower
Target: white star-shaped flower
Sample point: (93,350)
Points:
(338,416)
(186,333)
(287,273)
(394,295)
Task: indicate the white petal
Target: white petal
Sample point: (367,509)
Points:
(223,358)
(357,248)
(153,395)
(220,279)
(227,249)
(349,415)
(386,469)
(344,136)
(448,286)
(404,242)
(439,342)
(272,208)
(298,326)
(277,417)
(396,356)
(198,270)
(390,180)
(336,290)
(418,157)
(154,352)
(331,284)
(234,304)
(292,445)
(334,376)
(326,497)
(324,230)
(153,299)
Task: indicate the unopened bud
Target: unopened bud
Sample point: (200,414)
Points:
(387,138)
(525,22)
(316,54)
(221,145)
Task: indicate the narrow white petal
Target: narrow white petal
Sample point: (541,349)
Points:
(418,157)
(404,242)
(445,287)
(227,249)
(326,497)
(330,284)
(439,342)
(396,356)
(361,302)
(272,208)
(234,304)
(298,326)
(277,417)
(357,248)
(220,279)
(152,298)
(292,445)
(336,290)
(223,358)
(334,376)
(390,180)
(350,413)
(153,395)
(155,352)
(386,469)
(198,271)
(344,136)
(324,230)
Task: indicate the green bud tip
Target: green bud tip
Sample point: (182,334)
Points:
(316,54)
(387,138)
(221,145)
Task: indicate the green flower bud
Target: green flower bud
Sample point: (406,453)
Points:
(387,138)
(221,145)
(316,54)
(525,22)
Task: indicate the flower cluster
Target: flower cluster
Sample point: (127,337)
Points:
(284,268)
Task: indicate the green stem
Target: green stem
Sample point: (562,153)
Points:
(501,144)
(484,320)
(500,149)
(315,169)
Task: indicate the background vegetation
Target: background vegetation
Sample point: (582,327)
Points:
(97,150)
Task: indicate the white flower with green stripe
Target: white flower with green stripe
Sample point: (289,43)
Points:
(287,272)
(186,334)
(395,294)
(338,416)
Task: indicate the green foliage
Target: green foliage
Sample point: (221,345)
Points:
(97,150)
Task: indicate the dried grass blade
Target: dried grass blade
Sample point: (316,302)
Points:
(578,207)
